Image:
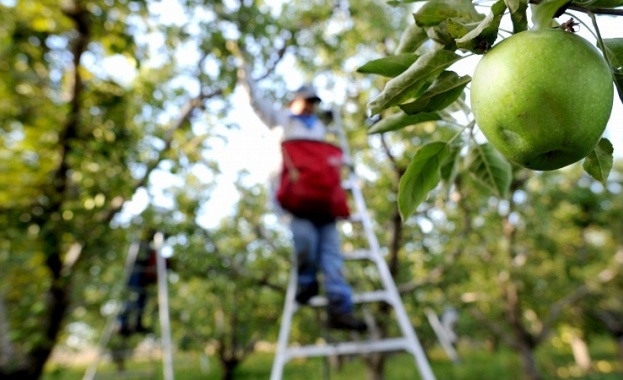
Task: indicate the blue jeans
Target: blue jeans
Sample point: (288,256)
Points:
(132,313)
(318,246)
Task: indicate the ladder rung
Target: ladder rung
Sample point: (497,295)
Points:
(346,348)
(357,218)
(367,297)
(134,374)
(360,254)
(348,162)
(374,296)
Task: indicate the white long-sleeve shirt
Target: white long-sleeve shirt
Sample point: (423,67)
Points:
(273,117)
(292,128)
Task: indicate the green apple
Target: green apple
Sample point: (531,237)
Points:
(542,98)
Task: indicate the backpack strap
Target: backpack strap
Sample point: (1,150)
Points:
(293,171)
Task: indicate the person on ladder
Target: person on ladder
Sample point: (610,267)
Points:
(143,275)
(315,236)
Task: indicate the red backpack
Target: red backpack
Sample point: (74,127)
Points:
(311,182)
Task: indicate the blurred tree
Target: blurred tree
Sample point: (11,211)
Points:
(78,141)
(232,285)
(528,261)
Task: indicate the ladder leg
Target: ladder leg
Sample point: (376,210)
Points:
(442,335)
(388,283)
(280,359)
(408,342)
(404,322)
(326,364)
(111,321)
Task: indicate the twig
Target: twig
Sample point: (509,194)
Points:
(433,276)
(280,54)
(397,169)
(601,11)
(557,308)
(153,164)
(491,325)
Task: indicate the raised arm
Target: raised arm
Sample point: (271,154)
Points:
(270,114)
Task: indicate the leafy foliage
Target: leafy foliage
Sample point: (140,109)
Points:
(62,248)
(421,176)
(599,162)
(614,53)
(446,89)
(391,66)
(401,120)
(490,168)
(445,32)
(412,81)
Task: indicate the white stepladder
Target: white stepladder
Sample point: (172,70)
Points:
(408,341)
(163,313)
(445,334)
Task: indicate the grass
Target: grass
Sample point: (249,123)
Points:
(476,363)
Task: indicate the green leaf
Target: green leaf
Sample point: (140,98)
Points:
(598,163)
(519,17)
(421,177)
(443,92)
(513,5)
(441,34)
(543,13)
(391,66)
(410,82)
(618,81)
(412,38)
(435,11)
(401,120)
(489,168)
(614,50)
(481,38)
(458,29)
(450,165)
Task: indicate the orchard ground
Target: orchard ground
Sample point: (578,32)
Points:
(478,361)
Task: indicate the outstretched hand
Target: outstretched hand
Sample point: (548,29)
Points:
(245,67)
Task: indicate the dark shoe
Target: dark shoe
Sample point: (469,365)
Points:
(125,331)
(346,321)
(140,329)
(306,292)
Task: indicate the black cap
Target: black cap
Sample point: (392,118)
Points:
(306,92)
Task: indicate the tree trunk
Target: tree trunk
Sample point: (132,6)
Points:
(6,348)
(229,366)
(57,296)
(58,305)
(16,374)
(524,342)
(528,362)
(375,364)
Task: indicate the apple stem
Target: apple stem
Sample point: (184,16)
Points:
(468,126)
(544,12)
